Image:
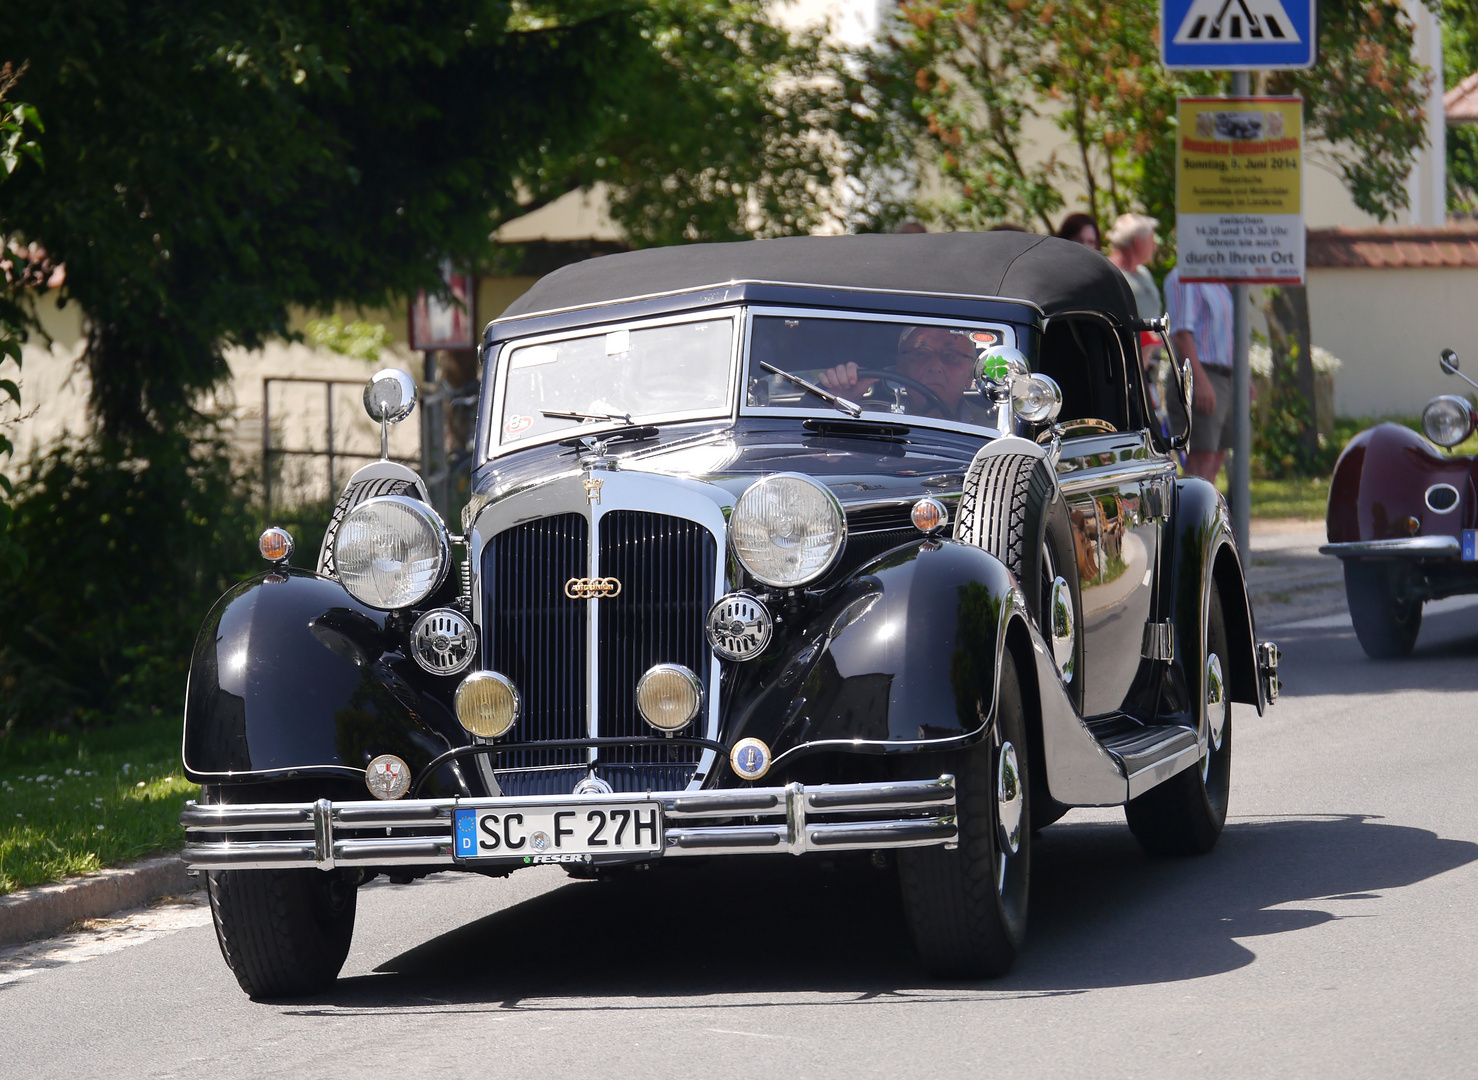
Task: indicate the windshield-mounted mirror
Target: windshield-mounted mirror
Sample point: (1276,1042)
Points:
(390,396)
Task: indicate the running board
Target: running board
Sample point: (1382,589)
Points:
(1150,755)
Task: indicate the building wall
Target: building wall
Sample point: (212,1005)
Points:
(1388,326)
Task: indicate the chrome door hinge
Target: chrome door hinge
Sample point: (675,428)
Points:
(1159,641)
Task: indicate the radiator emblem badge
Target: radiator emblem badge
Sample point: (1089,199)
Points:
(584,588)
(592,489)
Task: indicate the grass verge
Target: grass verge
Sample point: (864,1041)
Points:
(1298,497)
(76,802)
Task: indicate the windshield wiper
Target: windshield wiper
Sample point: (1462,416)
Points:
(553,414)
(851,408)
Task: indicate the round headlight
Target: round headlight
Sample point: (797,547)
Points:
(668,696)
(1447,420)
(391,552)
(787,530)
(1036,399)
(487,704)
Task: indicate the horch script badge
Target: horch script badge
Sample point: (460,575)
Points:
(592,489)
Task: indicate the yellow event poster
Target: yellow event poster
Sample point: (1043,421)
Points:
(1239,190)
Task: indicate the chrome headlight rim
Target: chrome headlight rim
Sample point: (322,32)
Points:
(466,710)
(839,531)
(1453,404)
(439,533)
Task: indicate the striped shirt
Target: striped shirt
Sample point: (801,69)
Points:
(1206,311)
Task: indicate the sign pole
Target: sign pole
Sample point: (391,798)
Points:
(1241,475)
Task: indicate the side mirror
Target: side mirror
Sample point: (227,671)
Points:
(1448,361)
(389,396)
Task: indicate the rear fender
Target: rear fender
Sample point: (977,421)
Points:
(1203,555)
(291,677)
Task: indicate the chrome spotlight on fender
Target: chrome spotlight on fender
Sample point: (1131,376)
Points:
(1037,399)
(389,397)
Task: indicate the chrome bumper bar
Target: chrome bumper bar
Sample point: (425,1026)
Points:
(1403,547)
(740,821)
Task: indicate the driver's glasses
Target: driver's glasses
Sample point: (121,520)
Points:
(948,357)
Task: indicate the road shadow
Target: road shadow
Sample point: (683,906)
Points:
(1102,915)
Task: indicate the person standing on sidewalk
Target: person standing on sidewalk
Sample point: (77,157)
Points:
(1131,248)
(1201,331)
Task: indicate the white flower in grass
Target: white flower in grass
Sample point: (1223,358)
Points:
(140,784)
(99,827)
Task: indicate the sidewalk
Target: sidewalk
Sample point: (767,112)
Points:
(1287,579)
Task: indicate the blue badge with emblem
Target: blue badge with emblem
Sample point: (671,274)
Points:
(1470,545)
(465,833)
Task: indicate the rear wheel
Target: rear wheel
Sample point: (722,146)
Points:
(967,907)
(1185,815)
(1387,617)
(283,932)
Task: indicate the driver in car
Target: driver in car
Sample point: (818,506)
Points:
(940,358)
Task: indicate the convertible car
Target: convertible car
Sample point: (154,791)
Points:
(804,546)
(1401,517)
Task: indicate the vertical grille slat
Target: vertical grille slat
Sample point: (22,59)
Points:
(666,566)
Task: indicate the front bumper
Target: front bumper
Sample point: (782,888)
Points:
(741,821)
(1402,547)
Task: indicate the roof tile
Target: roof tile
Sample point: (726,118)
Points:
(1387,248)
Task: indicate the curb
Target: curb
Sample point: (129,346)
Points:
(43,910)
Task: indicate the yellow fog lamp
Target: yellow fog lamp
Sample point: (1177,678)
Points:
(488,704)
(668,696)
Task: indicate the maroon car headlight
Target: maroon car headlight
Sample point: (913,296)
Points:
(1447,420)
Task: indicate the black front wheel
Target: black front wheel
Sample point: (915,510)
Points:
(1386,615)
(283,933)
(966,906)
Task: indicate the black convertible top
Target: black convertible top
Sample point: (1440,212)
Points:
(1053,274)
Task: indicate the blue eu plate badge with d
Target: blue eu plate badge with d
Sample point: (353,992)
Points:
(465,833)
(1470,545)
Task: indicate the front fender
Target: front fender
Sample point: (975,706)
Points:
(1380,483)
(900,658)
(292,677)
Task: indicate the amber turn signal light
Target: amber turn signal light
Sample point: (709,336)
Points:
(276,545)
(929,516)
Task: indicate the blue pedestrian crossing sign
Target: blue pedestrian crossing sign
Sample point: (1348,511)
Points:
(1238,35)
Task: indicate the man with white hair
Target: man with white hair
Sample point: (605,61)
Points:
(1131,247)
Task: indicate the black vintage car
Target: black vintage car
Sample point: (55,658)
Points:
(851,544)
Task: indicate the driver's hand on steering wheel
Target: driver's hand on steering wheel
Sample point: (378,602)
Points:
(842,380)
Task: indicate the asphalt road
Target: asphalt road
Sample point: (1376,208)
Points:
(1333,933)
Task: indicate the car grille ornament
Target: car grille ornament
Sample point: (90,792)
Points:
(586,588)
(738,627)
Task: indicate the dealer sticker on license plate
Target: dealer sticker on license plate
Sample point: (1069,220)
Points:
(1470,545)
(545,833)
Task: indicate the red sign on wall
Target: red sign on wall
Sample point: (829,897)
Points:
(446,324)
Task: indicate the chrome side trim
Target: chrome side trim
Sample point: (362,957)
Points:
(828,817)
(1075,483)
(1403,547)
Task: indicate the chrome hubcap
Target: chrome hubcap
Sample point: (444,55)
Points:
(1216,713)
(1009,803)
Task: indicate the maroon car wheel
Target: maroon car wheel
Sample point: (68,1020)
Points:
(1386,615)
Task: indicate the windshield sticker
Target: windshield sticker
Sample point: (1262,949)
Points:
(518,424)
(618,342)
(534,355)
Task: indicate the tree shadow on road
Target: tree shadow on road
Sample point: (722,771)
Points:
(1103,915)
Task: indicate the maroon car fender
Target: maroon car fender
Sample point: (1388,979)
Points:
(1380,486)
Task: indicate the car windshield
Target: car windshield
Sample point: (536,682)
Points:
(639,374)
(923,369)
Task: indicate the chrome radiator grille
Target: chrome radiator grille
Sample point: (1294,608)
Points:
(537,636)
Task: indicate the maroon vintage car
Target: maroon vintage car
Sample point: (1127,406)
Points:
(1403,517)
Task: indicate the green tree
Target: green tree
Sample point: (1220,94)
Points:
(964,78)
(1459,60)
(213,164)
(18,122)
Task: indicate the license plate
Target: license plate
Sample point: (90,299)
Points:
(1470,545)
(557,834)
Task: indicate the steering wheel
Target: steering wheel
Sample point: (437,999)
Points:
(933,400)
